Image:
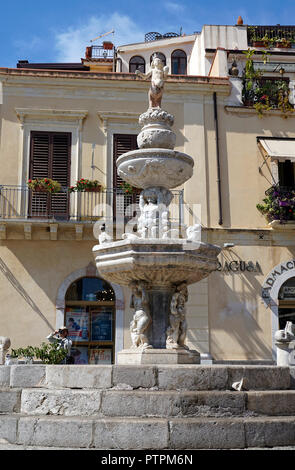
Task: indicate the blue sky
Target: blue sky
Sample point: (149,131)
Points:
(59,30)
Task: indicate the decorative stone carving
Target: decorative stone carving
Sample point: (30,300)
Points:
(193,233)
(158,76)
(154,212)
(156,132)
(176,332)
(286,335)
(285,343)
(4,347)
(142,318)
(146,168)
(104,237)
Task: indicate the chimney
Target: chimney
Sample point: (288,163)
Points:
(240,21)
(88,52)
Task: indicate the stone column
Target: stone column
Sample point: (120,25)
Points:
(160,299)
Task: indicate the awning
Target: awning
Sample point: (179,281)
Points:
(278,149)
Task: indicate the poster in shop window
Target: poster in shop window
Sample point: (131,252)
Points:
(77,323)
(101,326)
(100,356)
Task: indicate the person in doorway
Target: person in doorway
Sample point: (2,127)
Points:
(60,336)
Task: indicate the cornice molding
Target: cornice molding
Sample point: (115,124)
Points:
(31,114)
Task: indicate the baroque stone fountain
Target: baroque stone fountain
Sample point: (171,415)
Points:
(155,262)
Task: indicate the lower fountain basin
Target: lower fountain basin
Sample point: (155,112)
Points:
(152,167)
(161,263)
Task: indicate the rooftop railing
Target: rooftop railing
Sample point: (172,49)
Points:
(276,36)
(100,52)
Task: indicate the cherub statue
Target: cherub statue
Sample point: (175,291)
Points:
(142,318)
(159,74)
(176,332)
(153,221)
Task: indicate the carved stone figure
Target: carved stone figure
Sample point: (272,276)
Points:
(154,213)
(4,346)
(104,237)
(193,233)
(159,74)
(176,332)
(142,318)
(286,335)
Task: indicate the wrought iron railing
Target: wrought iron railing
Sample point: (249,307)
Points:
(21,203)
(271,34)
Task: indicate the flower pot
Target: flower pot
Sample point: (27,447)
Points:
(260,44)
(93,190)
(40,189)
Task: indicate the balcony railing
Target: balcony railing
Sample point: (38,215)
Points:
(275,36)
(21,203)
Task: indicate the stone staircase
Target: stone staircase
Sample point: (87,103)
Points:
(146,407)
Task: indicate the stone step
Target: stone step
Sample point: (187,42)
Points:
(179,377)
(146,403)
(148,433)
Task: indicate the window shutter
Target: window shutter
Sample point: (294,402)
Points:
(123,143)
(50,158)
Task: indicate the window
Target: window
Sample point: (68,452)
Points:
(90,319)
(178,62)
(123,143)
(286,174)
(160,56)
(137,63)
(50,157)
(287,303)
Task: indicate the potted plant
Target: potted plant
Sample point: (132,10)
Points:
(278,204)
(126,187)
(45,185)
(283,43)
(84,184)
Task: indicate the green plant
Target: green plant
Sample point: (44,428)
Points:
(84,184)
(48,353)
(44,184)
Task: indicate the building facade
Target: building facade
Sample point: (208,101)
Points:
(72,121)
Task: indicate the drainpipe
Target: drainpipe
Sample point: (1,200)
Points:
(220,220)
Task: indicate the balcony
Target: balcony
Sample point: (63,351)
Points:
(271,36)
(20,205)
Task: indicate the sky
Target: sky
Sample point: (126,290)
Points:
(60,30)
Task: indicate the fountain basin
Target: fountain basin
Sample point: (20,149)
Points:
(161,167)
(161,263)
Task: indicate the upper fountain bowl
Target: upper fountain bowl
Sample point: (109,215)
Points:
(149,167)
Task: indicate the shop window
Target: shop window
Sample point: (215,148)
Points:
(159,55)
(90,319)
(178,62)
(137,63)
(287,303)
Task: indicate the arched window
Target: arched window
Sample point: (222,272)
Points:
(178,62)
(287,303)
(137,63)
(90,319)
(160,56)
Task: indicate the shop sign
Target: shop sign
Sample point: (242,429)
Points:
(275,275)
(239,266)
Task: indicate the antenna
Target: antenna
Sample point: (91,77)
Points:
(105,34)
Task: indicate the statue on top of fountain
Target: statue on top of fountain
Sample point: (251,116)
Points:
(159,74)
